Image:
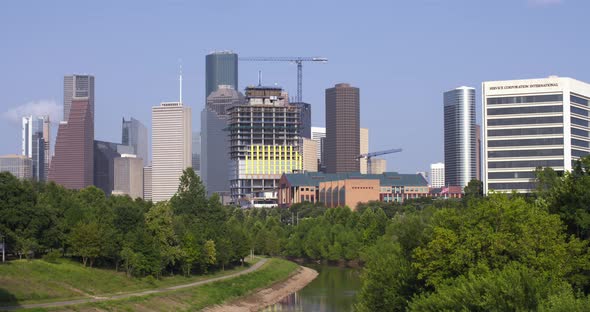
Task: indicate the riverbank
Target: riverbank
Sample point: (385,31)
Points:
(271,295)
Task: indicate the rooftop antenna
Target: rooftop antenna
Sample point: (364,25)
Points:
(180,79)
(260,78)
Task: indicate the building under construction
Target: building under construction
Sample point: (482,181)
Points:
(265,135)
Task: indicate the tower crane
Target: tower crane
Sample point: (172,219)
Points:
(295,59)
(369,156)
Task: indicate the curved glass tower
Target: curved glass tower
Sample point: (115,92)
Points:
(460,141)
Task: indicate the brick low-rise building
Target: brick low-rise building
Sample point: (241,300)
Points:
(350,188)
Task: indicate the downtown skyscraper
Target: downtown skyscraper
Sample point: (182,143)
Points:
(35,144)
(460,136)
(342,146)
(171,148)
(72,165)
(135,134)
(221,68)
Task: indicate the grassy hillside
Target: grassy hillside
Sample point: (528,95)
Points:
(197,298)
(25,281)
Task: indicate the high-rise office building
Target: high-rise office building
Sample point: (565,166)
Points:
(221,68)
(318,134)
(135,134)
(147,183)
(310,155)
(105,154)
(215,139)
(34,145)
(532,123)
(128,176)
(478,152)
(196,157)
(19,166)
(76,87)
(305,109)
(264,143)
(460,142)
(437,175)
(171,148)
(73,163)
(342,129)
(363,149)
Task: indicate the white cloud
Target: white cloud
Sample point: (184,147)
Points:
(545,2)
(41,107)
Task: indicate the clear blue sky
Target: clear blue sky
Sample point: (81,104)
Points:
(402,55)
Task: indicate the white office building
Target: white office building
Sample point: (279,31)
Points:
(437,175)
(364,149)
(532,123)
(318,134)
(171,147)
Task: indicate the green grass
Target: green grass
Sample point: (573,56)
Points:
(199,297)
(23,281)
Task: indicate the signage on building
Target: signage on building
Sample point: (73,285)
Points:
(525,86)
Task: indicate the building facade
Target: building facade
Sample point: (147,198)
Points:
(34,145)
(171,147)
(363,149)
(342,145)
(305,109)
(460,142)
(128,176)
(135,134)
(196,157)
(19,166)
(378,166)
(73,163)
(318,134)
(310,160)
(264,144)
(437,175)
(215,139)
(105,154)
(221,68)
(349,188)
(147,183)
(532,123)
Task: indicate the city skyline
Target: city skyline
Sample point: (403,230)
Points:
(417,75)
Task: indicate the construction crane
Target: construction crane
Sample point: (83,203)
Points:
(296,59)
(369,156)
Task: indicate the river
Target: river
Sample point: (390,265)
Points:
(333,290)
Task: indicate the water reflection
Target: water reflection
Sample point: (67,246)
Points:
(333,290)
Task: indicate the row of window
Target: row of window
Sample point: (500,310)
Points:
(580,132)
(525,163)
(580,143)
(526,110)
(524,121)
(526,153)
(525,99)
(526,131)
(579,100)
(526,142)
(512,175)
(512,186)
(579,111)
(579,122)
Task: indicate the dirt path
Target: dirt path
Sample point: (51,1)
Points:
(254,267)
(268,296)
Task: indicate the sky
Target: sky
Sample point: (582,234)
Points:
(401,54)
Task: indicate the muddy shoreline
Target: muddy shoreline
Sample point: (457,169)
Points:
(269,296)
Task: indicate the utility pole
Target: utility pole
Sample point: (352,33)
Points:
(3,249)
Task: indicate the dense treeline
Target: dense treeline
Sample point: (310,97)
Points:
(501,252)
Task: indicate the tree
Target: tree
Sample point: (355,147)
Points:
(159,223)
(209,255)
(473,190)
(87,241)
(191,197)
(387,279)
(189,253)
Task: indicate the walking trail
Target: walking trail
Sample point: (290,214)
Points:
(254,267)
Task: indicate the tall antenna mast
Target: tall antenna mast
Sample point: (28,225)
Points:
(180,80)
(259,78)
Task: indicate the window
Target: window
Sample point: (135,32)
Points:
(512,175)
(527,131)
(578,100)
(579,122)
(525,163)
(525,99)
(526,153)
(580,143)
(524,121)
(578,153)
(525,110)
(580,132)
(526,142)
(579,111)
